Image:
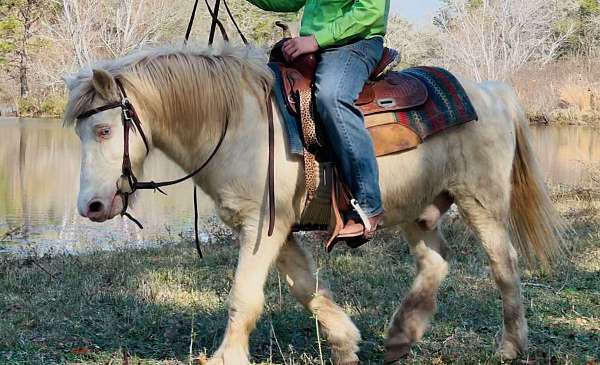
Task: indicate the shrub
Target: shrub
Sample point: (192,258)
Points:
(53,106)
(28,106)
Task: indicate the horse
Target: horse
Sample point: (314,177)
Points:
(184,96)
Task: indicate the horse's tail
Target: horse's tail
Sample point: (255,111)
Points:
(537,227)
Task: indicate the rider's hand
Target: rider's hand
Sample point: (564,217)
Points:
(299,46)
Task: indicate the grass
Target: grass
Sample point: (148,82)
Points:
(146,306)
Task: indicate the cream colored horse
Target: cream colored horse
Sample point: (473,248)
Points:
(183,97)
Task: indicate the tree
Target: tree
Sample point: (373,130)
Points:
(17,37)
(584,17)
(416,47)
(131,24)
(92,29)
(259,25)
(492,39)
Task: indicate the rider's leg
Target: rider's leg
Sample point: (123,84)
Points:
(340,76)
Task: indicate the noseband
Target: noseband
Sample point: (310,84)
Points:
(128,183)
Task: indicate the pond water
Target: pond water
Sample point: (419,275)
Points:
(567,154)
(39,181)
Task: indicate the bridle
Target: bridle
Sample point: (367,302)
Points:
(127,183)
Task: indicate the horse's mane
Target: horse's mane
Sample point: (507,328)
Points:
(180,86)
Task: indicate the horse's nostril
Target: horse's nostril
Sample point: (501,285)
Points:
(96,207)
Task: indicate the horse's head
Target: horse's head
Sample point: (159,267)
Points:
(102,144)
(184,96)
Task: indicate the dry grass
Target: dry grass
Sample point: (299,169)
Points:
(94,308)
(565,92)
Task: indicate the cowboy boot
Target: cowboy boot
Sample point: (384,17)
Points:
(355,233)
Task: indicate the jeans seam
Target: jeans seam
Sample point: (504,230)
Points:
(356,171)
(363,51)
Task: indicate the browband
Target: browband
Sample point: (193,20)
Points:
(89,113)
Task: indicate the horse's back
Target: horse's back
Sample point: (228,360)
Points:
(473,159)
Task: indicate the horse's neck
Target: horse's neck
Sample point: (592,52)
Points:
(244,137)
(170,144)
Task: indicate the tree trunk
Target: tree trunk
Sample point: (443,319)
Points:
(23,67)
(23,56)
(23,74)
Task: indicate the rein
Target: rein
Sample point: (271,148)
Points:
(128,183)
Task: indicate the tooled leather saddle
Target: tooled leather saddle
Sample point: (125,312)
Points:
(384,93)
(401,109)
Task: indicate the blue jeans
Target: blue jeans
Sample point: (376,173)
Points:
(340,76)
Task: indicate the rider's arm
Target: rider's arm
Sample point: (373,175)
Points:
(283,6)
(362,15)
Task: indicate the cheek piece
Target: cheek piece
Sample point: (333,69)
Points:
(127,183)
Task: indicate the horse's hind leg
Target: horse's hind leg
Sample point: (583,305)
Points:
(297,267)
(491,228)
(411,319)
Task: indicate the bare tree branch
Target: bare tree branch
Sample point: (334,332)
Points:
(496,38)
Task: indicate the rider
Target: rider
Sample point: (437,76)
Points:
(348,38)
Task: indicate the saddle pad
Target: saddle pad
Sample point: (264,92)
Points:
(447,105)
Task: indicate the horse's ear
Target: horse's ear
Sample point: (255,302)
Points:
(104,84)
(69,80)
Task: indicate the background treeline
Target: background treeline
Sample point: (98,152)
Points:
(550,50)
(43,40)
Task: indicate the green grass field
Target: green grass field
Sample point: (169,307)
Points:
(148,306)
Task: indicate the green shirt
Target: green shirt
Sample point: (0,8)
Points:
(335,22)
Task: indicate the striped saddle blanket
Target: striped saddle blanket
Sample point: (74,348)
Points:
(445,106)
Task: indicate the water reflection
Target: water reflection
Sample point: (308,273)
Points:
(566,153)
(39,181)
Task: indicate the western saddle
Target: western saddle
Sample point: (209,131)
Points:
(384,93)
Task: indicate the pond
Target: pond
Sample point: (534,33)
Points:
(39,181)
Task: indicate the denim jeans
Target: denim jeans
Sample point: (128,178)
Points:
(340,76)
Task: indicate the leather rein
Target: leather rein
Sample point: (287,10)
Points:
(128,183)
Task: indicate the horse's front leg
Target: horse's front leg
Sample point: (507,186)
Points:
(297,266)
(257,253)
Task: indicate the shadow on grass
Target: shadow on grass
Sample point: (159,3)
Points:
(89,308)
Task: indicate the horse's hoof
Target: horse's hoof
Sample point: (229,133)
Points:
(511,347)
(508,351)
(231,357)
(394,353)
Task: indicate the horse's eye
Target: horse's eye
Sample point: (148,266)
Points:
(104,132)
